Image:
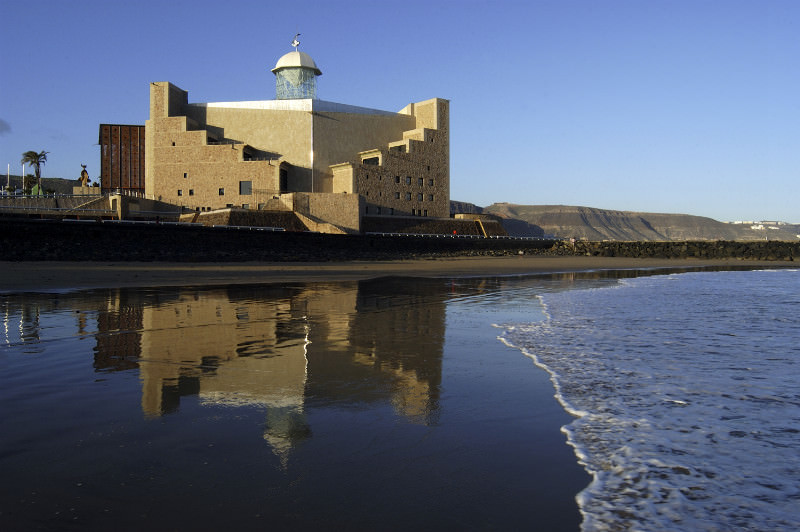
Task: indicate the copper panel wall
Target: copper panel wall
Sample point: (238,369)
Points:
(122,158)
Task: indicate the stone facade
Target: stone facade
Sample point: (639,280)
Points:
(408,177)
(250,154)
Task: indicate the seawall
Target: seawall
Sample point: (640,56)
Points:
(95,241)
(34,240)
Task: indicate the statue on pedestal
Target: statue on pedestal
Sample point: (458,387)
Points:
(84,176)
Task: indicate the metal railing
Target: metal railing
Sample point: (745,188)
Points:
(438,235)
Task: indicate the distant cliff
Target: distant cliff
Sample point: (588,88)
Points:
(587,223)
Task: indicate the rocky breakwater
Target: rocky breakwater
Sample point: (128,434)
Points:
(751,250)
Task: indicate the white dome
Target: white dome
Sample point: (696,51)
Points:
(297,59)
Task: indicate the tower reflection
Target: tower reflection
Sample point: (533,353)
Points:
(281,348)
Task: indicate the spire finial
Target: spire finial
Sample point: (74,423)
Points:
(295,42)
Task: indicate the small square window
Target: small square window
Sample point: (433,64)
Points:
(222,192)
(430,197)
(408,195)
(245,206)
(419,197)
(180,192)
(245,188)
(397,179)
(191,192)
(185,175)
(408,180)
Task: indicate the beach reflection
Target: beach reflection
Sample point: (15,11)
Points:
(293,406)
(279,348)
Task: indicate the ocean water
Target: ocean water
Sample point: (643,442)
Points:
(685,390)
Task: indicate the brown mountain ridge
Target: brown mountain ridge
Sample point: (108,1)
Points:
(589,223)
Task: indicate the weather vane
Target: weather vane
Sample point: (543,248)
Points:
(295,42)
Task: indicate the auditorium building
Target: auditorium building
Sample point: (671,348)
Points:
(331,164)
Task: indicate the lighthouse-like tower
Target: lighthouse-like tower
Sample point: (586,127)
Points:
(296,75)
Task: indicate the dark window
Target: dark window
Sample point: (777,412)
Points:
(185,175)
(180,192)
(408,195)
(377,210)
(245,188)
(396,195)
(426,212)
(420,181)
(222,192)
(397,179)
(191,192)
(284,179)
(419,197)
(245,205)
(408,180)
(229,205)
(430,182)
(374,161)
(391,210)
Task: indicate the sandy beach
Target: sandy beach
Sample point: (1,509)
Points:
(33,276)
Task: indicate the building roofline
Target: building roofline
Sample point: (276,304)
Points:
(308,105)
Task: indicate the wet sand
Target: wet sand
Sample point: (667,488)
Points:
(482,451)
(33,276)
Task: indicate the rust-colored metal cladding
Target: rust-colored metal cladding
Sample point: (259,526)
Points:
(122,158)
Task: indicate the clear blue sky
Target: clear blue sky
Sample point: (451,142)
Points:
(681,106)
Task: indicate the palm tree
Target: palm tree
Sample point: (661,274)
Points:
(36,160)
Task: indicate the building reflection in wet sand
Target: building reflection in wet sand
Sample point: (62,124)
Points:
(274,347)
(156,398)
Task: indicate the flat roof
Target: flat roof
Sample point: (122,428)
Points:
(307,105)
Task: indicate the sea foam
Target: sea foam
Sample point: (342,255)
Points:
(685,397)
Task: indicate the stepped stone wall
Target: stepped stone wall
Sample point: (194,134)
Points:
(423,226)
